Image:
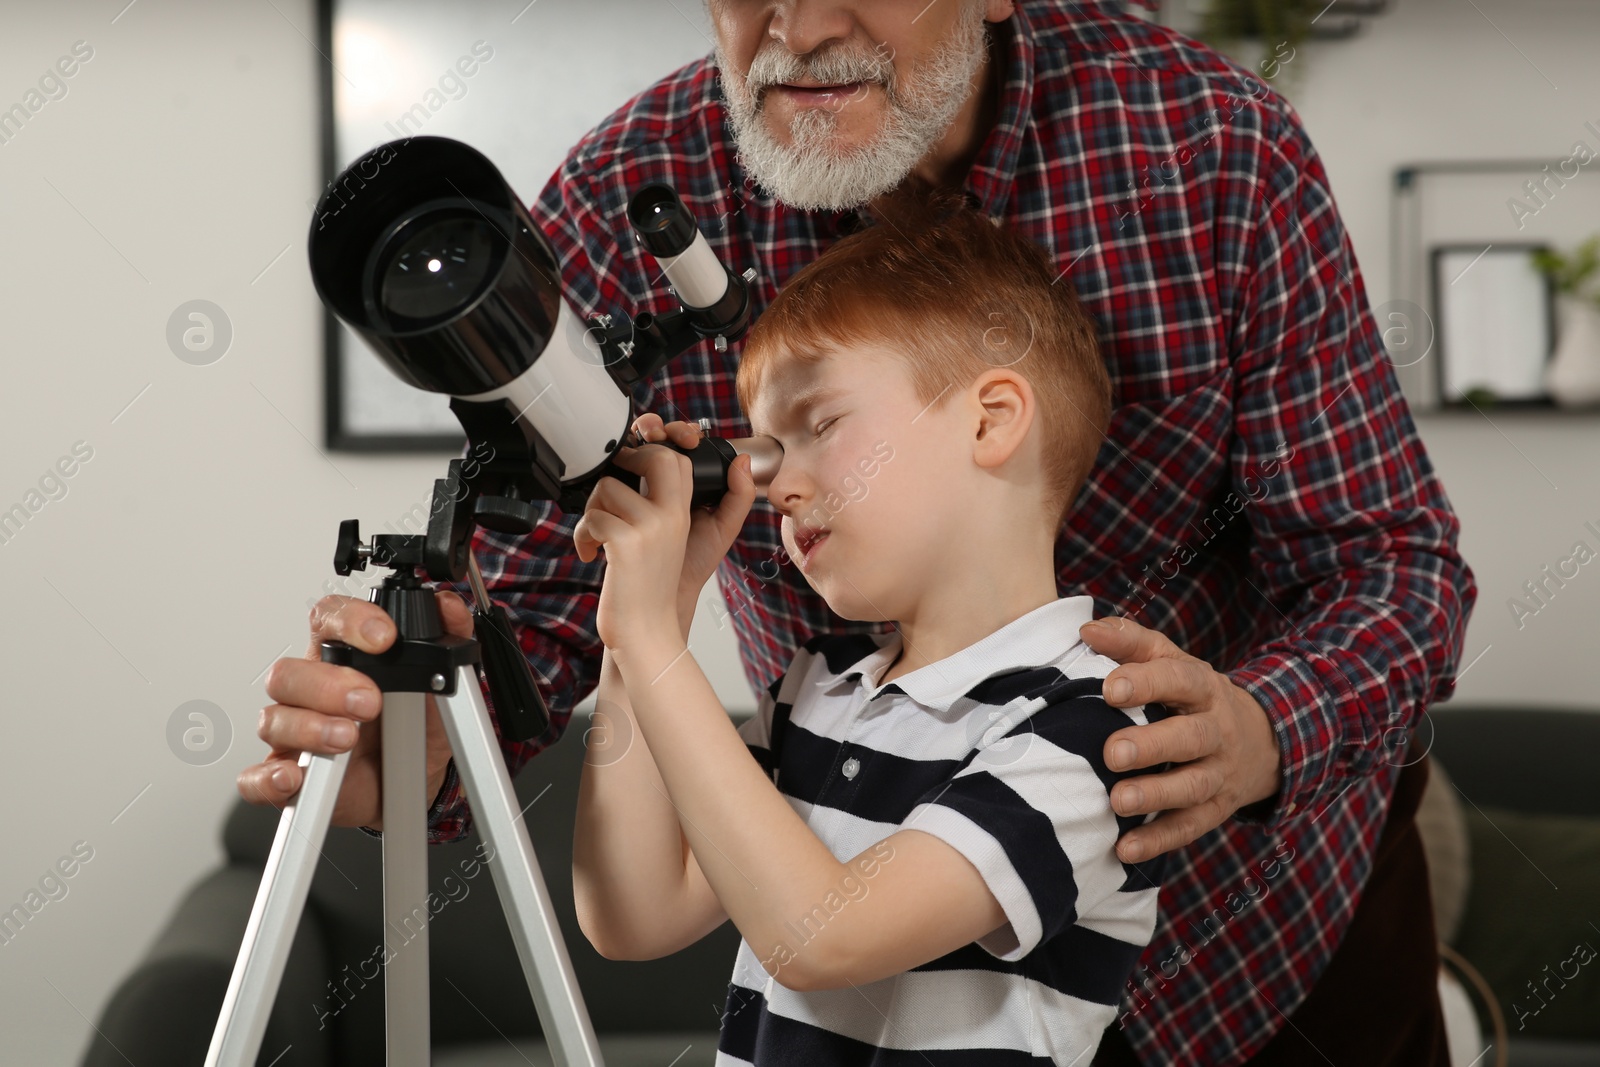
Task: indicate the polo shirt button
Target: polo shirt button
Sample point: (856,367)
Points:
(851,766)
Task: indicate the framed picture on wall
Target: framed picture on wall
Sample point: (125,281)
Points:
(501,76)
(1494,316)
(1462,203)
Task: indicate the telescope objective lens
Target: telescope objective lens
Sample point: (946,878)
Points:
(439,264)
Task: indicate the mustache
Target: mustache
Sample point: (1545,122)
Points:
(776,65)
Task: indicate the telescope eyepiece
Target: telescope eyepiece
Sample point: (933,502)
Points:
(716,300)
(664,225)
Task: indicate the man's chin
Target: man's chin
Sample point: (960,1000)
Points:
(848,133)
(824,165)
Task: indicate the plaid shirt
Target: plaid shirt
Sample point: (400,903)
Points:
(1261,497)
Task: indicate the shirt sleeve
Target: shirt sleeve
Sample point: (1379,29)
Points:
(1031,809)
(1354,538)
(551,595)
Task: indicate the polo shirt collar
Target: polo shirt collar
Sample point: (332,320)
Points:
(1031,640)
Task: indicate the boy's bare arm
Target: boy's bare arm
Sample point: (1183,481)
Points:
(916,898)
(632,888)
(770,871)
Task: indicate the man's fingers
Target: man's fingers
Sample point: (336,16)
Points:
(300,729)
(1168,831)
(455,614)
(360,623)
(1178,738)
(1125,640)
(1177,683)
(1182,787)
(272,781)
(327,687)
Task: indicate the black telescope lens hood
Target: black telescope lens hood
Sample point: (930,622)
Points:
(486,341)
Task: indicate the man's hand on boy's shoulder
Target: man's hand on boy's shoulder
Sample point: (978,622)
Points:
(1222,741)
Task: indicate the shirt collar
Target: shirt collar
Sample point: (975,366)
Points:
(994,171)
(1039,637)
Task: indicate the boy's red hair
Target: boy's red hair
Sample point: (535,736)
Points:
(958,295)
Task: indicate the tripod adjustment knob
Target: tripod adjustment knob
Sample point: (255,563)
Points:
(350,554)
(505,514)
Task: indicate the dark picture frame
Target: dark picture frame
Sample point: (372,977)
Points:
(503,78)
(337,432)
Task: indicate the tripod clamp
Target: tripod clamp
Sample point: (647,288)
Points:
(424,658)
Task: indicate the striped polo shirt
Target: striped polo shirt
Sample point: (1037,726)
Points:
(997,751)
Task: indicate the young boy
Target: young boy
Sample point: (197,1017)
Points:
(914,834)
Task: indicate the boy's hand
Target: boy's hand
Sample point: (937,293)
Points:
(711,531)
(646,538)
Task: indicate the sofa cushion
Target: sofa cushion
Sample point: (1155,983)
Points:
(1530,924)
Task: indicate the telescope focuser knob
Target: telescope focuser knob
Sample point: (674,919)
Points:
(350,554)
(505,514)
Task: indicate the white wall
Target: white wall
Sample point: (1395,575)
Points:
(180,561)
(178,565)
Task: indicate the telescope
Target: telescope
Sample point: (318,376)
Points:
(428,255)
(424,251)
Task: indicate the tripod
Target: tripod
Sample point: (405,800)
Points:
(424,660)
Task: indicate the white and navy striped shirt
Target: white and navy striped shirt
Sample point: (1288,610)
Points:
(996,750)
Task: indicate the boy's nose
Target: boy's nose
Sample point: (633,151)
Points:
(788,491)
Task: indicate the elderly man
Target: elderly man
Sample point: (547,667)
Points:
(1263,530)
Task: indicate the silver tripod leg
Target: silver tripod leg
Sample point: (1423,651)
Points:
(286,882)
(529,914)
(268,935)
(405,879)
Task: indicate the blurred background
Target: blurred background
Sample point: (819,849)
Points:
(180,162)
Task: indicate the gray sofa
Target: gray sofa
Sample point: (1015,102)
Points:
(1523,889)
(658,1012)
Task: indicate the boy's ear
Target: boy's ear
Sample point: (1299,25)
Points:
(1006,408)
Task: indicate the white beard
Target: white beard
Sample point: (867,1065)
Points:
(811,173)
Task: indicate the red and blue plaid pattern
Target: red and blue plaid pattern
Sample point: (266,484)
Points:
(1261,497)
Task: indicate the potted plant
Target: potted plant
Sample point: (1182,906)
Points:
(1279,27)
(1228,21)
(1572,376)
